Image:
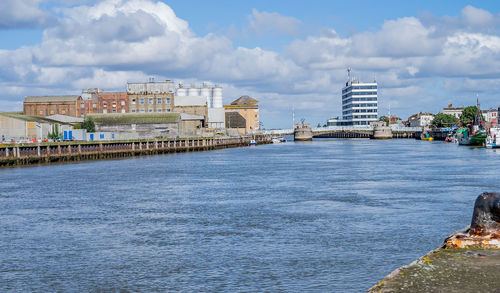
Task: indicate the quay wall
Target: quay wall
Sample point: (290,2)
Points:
(46,153)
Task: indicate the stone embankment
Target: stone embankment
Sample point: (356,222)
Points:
(73,151)
(468,261)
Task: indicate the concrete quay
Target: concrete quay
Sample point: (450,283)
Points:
(74,151)
(468,261)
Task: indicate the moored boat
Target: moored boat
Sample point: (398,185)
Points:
(252,143)
(493,138)
(278,139)
(475,138)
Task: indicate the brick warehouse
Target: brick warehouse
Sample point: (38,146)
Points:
(50,105)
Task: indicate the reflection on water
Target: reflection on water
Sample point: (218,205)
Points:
(330,215)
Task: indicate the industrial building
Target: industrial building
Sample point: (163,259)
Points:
(19,127)
(50,105)
(151,97)
(247,108)
(147,126)
(187,99)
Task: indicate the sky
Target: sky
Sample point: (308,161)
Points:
(290,55)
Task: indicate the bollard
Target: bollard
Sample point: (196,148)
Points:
(484,230)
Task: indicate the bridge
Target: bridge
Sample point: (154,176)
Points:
(362,131)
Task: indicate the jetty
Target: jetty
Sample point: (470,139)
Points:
(74,151)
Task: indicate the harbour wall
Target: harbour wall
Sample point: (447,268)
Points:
(46,153)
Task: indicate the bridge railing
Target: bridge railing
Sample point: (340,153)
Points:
(402,128)
(341,128)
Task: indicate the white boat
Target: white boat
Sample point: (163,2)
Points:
(279,139)
(252,143)
(493,138)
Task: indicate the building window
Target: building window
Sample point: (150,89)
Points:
(159,110)
(104,105)
(150,111)
(41,112)
(114,110)
(82,105)
(123,110)
(94,105)
(114,105)
(151,101)
(133,110)
(133,101)
(123,103)
(167,110)
(167,101)
(158,101)
(142,110)
(105,111)
(141,101)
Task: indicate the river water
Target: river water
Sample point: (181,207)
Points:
(329,215)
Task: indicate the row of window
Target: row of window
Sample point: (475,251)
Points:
(104,105)
(359,105)
(151,101)
(105,111)
(360,100)
(360,87)
(358,94)
(364,116)
(360,111)
(149,111)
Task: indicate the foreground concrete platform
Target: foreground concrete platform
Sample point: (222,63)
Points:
(447,270)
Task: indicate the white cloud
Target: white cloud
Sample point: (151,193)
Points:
(262,23)
(476,16)
(23,14)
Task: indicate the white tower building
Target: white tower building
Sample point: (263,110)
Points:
(359,102)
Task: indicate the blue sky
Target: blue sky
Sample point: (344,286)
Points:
(286,54)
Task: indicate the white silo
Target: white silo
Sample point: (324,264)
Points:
(217,97)
(181,91)
(206,93)
(193,91)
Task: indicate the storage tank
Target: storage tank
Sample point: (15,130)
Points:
(217,97)
(206,93)
(193,91)
(181,91)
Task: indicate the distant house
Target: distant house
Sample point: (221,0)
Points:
(51,105)
(455,111)
(247,108)
(421,120)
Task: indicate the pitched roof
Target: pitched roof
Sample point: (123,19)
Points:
(245,101)
(137,118)
(21,116)
(49,99)
(65,118)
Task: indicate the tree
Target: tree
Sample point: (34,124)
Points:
(467,115)
(89,125)
(444,120)
(54,134)
(384,119)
